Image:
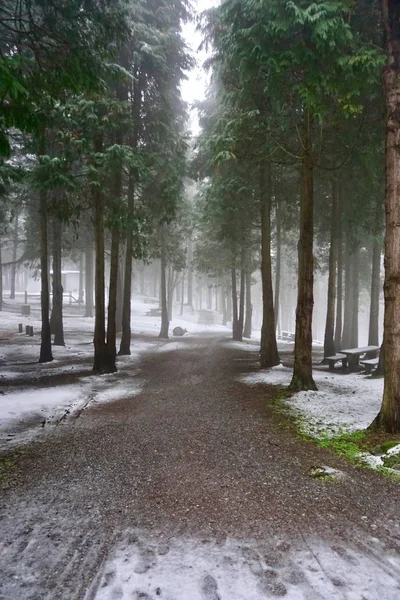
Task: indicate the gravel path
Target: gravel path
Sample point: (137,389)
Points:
(197,458)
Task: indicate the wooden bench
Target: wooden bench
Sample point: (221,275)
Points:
(332,360)
(370,364)
(154,312)
(353,355)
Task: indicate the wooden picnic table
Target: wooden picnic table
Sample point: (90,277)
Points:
(353,355)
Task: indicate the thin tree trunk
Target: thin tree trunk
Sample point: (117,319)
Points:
(339,295)
(373,335)
(125,346)
(249,307)
(46,354)
(236,331)
(57,312)
(80,291)
(329,342)
(348,297)
(101,363)
(269,356)
(118,313)
(302,372)
(223,304)
(1,281)
(112,300)
(242,299)
(89,281)
(163,288)
(182,292)
(14,257)
(278,265)
(228,304)
(190,275)
(170,291)
(356,298)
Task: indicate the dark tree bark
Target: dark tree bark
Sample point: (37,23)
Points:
(302,372)
(228,304)
(389,415)
(170,291)
(269,356)
(190,276)
(118,312)
(356,298)
(14,257)
(223,305)
(57,327)
(348,297)
(242,298)
(1,281)
(329,342)
(163,287)
(125,346)
(278,265)
(81,278)
(46,354)
(89,281)
(339,295)
(249,307)
(237,331)
(182,292)
(102,362)
(112,300)
(373,335)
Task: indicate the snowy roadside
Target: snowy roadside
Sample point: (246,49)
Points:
(35,398)
(344,403)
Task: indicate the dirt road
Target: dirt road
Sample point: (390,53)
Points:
(201,468)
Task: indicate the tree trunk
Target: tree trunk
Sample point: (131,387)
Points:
(339,295)
(80,291)
(46,354)
(302,372)
(190,275)
(348,297)
(228,304)
(278,266)
(373,335)
(182,292)
(101,362)
(57,313)
(269,356)
(125,346)
(89,281)
(242,299)
(170,291)
(249,307)
(1,281)
(329,342)
(389,415)
(356,298)
(112,300)
(223,304)
(14,257)
(163,286)
(118,313)
(236,330)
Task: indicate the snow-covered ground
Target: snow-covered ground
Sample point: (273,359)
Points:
(231,569)
(343,402)
(34,396)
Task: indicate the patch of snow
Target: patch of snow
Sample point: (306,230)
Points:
(194,569)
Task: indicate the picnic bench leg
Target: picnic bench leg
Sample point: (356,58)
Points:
(344,363)
(353,363)
(331,365)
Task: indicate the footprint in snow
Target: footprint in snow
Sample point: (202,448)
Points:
(209,588)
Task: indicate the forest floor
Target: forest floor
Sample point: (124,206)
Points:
(179,479)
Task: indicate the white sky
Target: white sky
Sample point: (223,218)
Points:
(195,86)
